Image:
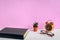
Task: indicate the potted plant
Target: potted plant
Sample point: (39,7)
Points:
(35,27)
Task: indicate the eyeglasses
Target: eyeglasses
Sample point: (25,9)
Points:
(47,33)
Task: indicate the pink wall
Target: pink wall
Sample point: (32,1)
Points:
(23,13)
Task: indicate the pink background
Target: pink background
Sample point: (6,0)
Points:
(23,13)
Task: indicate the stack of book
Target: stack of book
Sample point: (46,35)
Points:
(15,33)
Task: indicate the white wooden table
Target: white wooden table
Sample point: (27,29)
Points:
(37,36)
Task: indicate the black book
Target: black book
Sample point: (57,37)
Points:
(16,33)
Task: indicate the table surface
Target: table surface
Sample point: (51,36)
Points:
(37,36)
